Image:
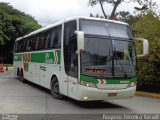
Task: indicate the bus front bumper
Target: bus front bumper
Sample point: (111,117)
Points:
(89,94)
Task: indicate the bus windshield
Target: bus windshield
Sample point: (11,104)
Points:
(103,28)
(109,51)
(106,58)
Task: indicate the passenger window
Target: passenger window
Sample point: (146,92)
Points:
(56,38)
(33,43)
(52,38)
(19,46)
(48,39)
(42,40)
(29,44)
(23,44)
(37,42)
(59,36)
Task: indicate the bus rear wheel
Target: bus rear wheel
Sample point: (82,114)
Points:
(55,89)
(21,76)
(18,72)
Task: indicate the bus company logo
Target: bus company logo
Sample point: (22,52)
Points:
(43,68)
(124,82)
(48,59)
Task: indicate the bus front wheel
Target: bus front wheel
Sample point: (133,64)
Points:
(55,89)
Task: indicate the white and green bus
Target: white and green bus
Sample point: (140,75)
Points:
(80,57)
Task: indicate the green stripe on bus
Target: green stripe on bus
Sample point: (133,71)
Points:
(111,81)
(53,57)
(133,79)
(88,79)
(108,81)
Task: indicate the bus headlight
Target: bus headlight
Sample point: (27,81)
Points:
(132,84)
(88,84)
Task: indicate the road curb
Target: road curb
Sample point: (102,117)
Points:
(145,94)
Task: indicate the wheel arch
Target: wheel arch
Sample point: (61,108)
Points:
(59,96)
(53,76)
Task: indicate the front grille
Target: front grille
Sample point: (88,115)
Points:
(112,86)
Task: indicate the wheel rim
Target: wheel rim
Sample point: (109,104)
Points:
(56,88)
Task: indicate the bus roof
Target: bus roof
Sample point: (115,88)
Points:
(67,20)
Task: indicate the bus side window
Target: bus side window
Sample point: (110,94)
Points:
(37,42)
(29,44)
(33,43)
(24,45)
(19,46)
(56,38)
(42,40)
(48,39)
(52,38)
(59,36)
(55,41)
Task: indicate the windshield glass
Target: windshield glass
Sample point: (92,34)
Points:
(123,58)
(108,58)
(105,28)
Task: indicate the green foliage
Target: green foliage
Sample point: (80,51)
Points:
(126,17)
(147,26)
(13,24)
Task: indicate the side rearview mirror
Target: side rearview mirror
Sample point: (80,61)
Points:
(80,40)
(145,46)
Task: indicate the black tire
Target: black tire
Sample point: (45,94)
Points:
(18,72)
(55,89)
(21,76)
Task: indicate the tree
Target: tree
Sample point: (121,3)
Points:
(13,24)
(147,26)
(116,3)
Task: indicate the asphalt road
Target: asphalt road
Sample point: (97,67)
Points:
(28,98)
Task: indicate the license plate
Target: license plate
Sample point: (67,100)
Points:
(112,94)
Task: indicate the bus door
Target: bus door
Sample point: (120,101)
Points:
(72,69)
(71,58)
